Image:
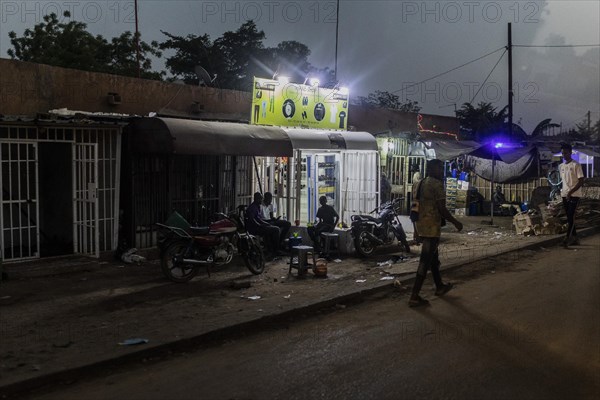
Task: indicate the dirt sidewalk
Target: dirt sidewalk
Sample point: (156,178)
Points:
(69,313)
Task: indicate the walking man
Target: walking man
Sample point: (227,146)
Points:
(571,175)
(432,208)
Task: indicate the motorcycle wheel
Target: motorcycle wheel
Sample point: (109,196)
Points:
(254,258)
(177,271)
(363,244)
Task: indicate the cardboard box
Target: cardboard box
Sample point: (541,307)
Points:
(524,221)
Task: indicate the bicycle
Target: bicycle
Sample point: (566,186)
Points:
(555,183)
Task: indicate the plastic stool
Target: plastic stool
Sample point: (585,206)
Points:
(302,253)
(329,239)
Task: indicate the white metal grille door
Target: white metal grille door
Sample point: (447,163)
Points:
(85,200)
(20,234)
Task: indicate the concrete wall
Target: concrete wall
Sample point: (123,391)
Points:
(29,89)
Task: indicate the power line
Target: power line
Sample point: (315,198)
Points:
(488,77)
(558,45)
(450,70)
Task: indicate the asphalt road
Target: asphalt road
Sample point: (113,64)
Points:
(525,326)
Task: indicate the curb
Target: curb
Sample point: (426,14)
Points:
(208,338)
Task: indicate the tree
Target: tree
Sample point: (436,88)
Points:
(60,44)
(238,53)
(190,51)
(385,99)
(70,45)
(483,122)
(290,58)
(543,126)
(123,57)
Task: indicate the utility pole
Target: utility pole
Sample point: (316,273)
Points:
(137,40)
(337,30)
(510,83)
(589,118)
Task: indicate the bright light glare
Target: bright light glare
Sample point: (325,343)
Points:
(314,82)
(283,79)
(344,90)
(499,145)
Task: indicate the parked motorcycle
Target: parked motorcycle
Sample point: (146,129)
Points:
(184,251)
(369,232)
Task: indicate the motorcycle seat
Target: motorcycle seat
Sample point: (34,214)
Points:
(199,230)
(366,218)
(373,219)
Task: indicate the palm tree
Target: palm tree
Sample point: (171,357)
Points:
(542,127)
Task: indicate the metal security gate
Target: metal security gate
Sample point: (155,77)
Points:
(19,219)
(85,200)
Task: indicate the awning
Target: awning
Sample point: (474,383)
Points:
(313,139)
(182,136)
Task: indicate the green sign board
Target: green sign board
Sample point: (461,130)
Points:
(294,105)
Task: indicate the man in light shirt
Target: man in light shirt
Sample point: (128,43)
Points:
(571,175)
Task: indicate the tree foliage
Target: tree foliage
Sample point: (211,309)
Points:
(237,56)
(70,45)
(482,122)
(385,99)
(543,126)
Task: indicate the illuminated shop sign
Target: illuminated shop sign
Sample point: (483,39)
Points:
(281,103)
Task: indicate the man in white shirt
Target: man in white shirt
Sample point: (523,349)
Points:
(270,211)
(571,175)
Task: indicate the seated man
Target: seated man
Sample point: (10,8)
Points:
(502,205)
(256,225)
(328,219)
(269,211)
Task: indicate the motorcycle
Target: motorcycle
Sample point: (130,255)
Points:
(369,232)
(184,251)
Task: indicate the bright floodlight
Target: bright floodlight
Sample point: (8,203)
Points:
(314,82)
(344,90)
(283,79)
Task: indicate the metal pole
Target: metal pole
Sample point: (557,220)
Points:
(492,188)
(337,25)
(137,40)
(510,83)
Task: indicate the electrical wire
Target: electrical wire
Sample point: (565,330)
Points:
(488,77)
(558,45)
(450,70)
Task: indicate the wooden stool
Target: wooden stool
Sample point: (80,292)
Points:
(329,239)
(302,253)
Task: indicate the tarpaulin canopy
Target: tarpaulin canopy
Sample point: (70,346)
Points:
(511,163)
(182,136)
(522,169)
(451,149)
